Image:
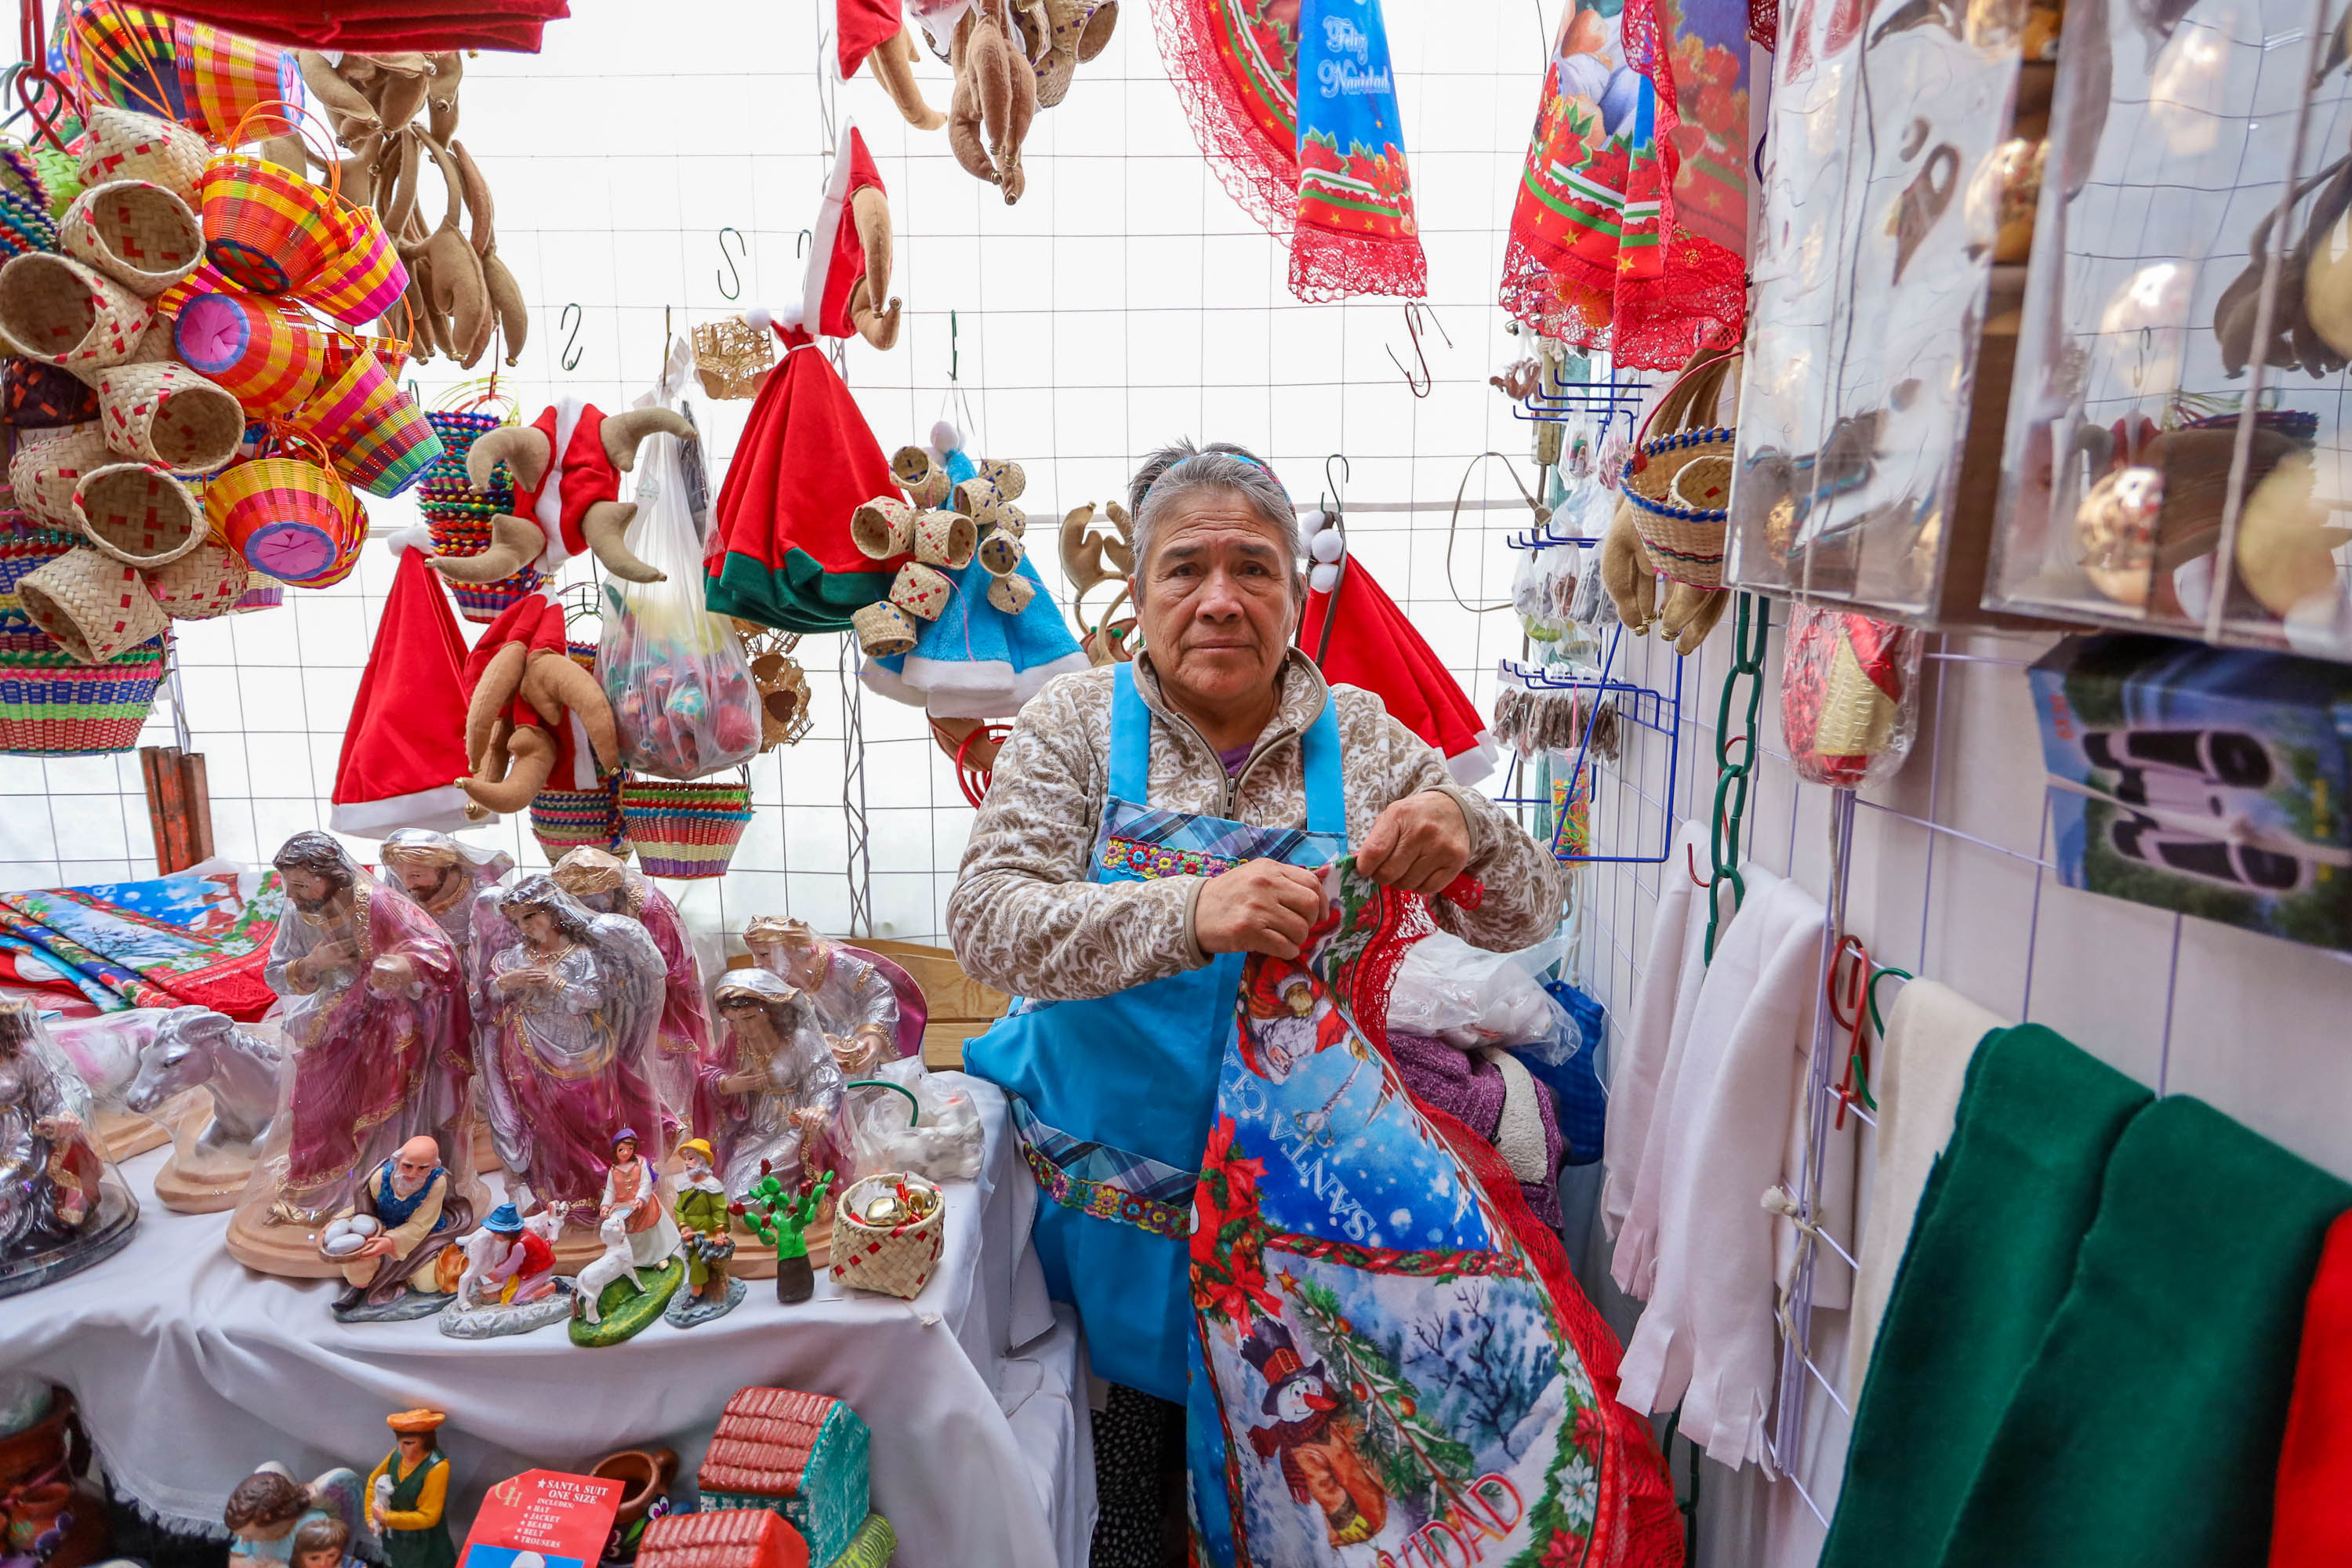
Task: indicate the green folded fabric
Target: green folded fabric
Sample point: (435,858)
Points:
(2147,1430)
(1992,1253)
(800,597)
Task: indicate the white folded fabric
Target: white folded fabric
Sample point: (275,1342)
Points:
(1708,1337)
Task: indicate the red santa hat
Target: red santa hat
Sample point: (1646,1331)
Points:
(861,27)
(1374,647)
(404,746)
(579,475)
(837,258)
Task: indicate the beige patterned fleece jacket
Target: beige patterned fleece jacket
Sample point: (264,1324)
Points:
(1025,918)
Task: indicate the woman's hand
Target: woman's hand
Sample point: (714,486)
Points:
(1260,906)
(1419,844)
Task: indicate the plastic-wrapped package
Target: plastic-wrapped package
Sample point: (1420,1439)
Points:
(680,686)
(1849,701)
(1466,996)
(942,1139)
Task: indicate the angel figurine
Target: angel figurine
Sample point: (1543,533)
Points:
(852,1000)
(777,1104)
(575,1001)
(606,886)
(446,877)
(269,1512)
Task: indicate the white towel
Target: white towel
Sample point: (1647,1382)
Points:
(1923,1063)
(1709,1338)
(1645,1050)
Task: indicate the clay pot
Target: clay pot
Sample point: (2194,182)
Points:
(645,1474)
(795,1280)
(40,1451)
(36,1470)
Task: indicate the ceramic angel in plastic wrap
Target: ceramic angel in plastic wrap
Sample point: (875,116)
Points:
(61,1209)
(575,1004)
(778,1096)
(372,1012)
(447,877)
(860,1004)
(682,1045)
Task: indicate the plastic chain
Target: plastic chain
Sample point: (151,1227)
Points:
(1752,634)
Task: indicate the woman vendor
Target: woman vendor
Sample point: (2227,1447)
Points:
(1149,826)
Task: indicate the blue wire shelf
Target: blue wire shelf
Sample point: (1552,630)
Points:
(1660,712)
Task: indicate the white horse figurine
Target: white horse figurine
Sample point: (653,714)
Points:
(616,1262)
(196,1047)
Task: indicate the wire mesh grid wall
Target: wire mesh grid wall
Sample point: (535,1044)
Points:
(1125,301)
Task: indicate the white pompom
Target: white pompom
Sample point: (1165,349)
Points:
(946,437)
(1324,578)
(418,538)
(1328,545)
(793,316)
(761,318)
(1313,523)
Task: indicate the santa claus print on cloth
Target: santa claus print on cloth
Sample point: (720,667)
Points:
(1388,1352)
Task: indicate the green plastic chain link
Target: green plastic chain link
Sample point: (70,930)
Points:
(1752,634)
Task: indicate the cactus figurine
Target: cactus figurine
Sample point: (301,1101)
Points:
(780,1219)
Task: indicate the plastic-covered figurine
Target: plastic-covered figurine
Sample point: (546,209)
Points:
(269,1511)
(393,1240)
(60,1208)
(408,1492)
(447,877)
(238,1068)
(608,888)
(855,1001)
(575,1001)
(371,1007)
(777,1103)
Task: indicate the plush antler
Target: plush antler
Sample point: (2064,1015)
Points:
(525,451)
(870,210)
(552,683)
(493,694)
(623,431)
(515,544)
(604,526)
(893,67)
(531,759)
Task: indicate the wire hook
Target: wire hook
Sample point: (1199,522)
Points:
(955,354)
(728,257)
(570,320)
(1335,487)
(801,243)
(1413,311)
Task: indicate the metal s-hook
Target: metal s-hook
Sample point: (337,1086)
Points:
(744,247)
(801,243)
(1413,311)
(955,352)
(570,320)
(1335,487)
(1334,512)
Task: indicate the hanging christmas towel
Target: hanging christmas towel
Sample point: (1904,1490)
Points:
(1373,646)
(405,747)
(2310,1523)
(1390,1362)
(1322,168)
(780,552)
(1631,223)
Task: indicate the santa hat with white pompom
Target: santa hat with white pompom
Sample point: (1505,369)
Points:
(1356,635)
(404,745)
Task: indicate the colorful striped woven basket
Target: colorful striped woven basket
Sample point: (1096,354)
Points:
(685,830)
(26,546)
(226,81)
(25,225)
(566,819)
(267,228)
(364,277)
(52,705)
(250,348)
(459,518)
(378,438)
(290,518)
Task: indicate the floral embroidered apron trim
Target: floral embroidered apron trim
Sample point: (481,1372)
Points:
(1107,1182)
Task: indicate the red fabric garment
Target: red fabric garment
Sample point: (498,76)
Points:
(837,259)
(382,27)
(404,746)
(861,27)
(2311,1526)
(1373,646)
(581,473)
(806,460)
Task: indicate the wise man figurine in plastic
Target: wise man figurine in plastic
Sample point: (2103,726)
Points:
(370,996)
(446,877)
(683,1045)
(853,1001)
(408,1494)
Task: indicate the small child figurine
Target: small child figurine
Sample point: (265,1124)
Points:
(323,1541)
(261,1517)
(703,1220)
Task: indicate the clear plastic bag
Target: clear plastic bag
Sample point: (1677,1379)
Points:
(1849,696)
(943,1138)
(679,685)
(1450,991)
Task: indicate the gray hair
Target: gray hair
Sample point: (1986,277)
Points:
(1180,469)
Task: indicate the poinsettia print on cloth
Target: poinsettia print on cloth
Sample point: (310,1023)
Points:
(1391,1364)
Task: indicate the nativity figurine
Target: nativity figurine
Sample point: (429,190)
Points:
(59,1209)
(606,887)
(391,1242)
(776,1105)
(853,999)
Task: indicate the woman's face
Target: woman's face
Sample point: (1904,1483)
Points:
(1216,601)
(540,927)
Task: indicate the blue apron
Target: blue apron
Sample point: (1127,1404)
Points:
(1111,1096)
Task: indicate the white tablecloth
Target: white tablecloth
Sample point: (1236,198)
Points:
(192,1371)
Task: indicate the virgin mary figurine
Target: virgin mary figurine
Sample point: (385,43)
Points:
(777,1102)
(576,1003)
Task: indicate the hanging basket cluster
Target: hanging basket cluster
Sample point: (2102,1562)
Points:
(947,527)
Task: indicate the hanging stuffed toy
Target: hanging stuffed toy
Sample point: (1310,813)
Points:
(780,552)
(969,631)
(849,259)
(1631,226)
(1324,171)
(1372,644)
(405,744)
(567,467)
(995,98)
(535,719)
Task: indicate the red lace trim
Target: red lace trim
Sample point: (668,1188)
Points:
(1700,303)
(1261,176)
(1325,266)
(1764,22)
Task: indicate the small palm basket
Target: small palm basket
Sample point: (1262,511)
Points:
(1679,479)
